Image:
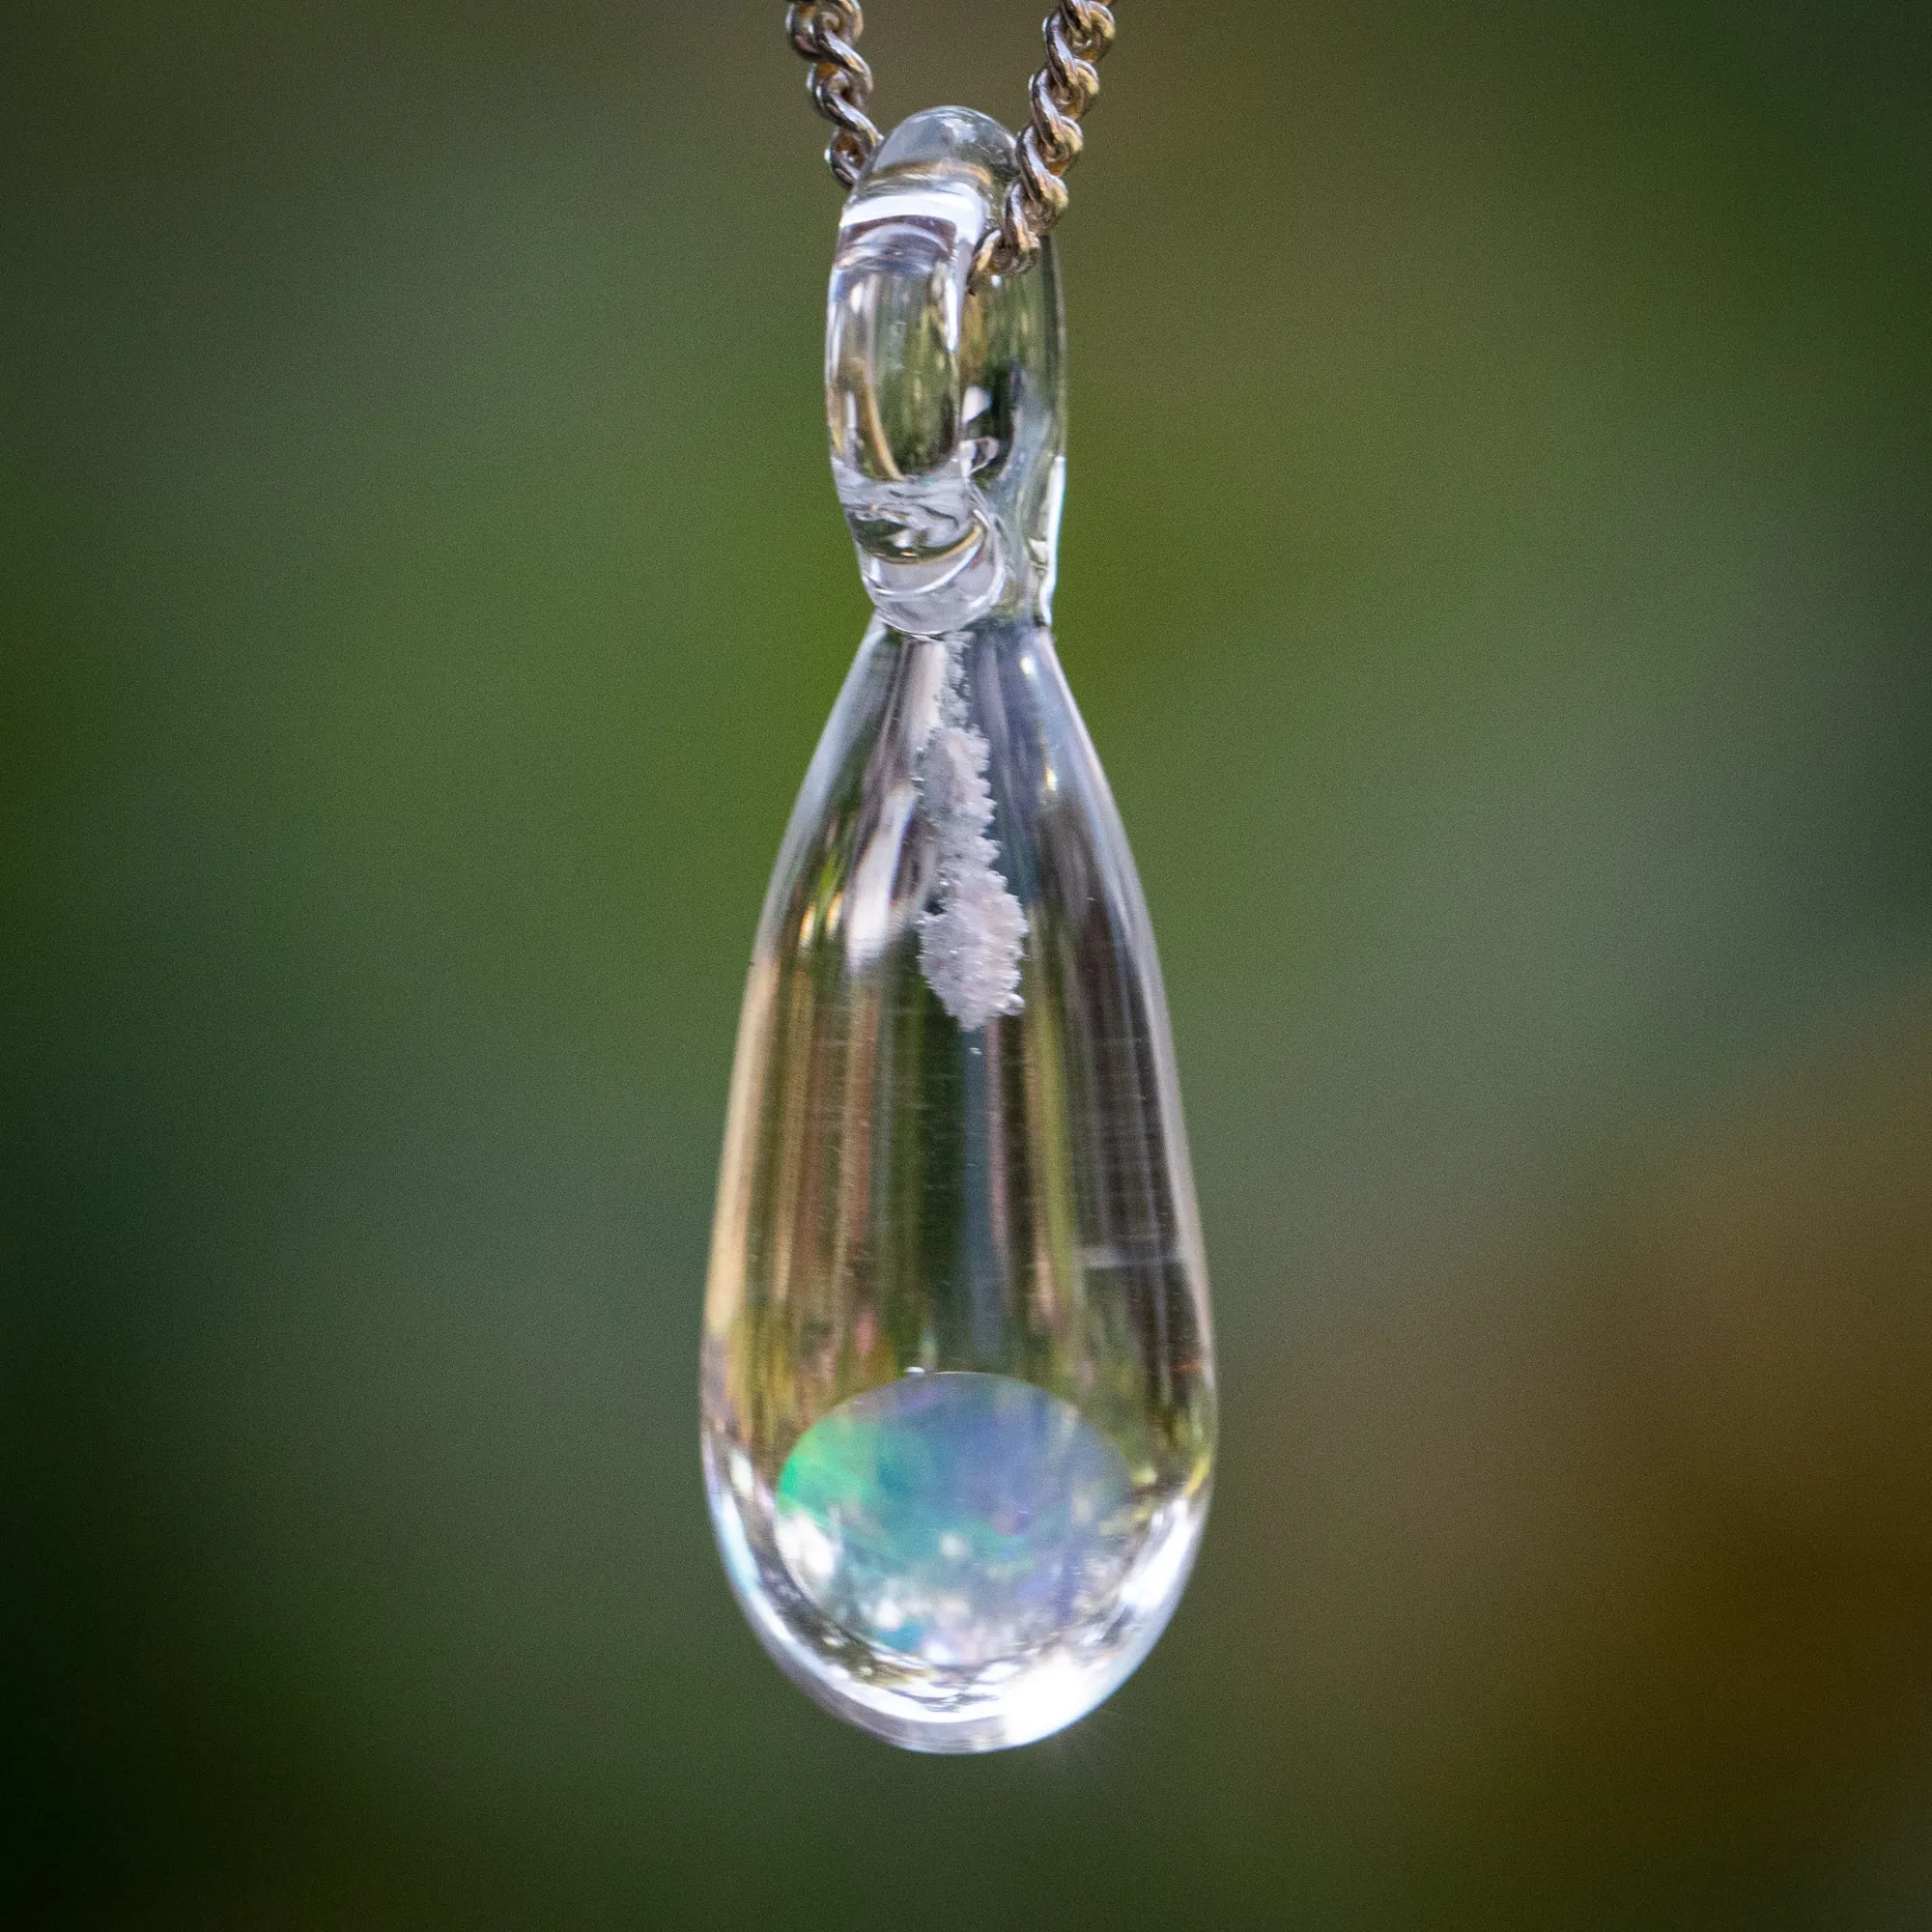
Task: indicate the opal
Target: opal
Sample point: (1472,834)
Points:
(958,1518)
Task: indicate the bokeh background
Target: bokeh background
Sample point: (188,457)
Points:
(1498,571)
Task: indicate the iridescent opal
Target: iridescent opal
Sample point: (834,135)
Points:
(958,1518)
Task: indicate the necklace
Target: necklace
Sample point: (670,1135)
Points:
(957,1381)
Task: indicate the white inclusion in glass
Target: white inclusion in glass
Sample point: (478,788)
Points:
(958,1398)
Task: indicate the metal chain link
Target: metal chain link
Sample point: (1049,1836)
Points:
(1077,34)
(840,83)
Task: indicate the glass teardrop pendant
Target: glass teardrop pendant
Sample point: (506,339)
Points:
(958,1410)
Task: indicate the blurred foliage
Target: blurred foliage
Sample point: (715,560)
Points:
(1497,576)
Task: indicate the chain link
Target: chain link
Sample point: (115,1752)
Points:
(840,83)
(1077,34)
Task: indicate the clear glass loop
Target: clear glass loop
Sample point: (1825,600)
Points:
(957,1382)
(944,401)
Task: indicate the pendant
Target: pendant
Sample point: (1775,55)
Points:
(957,1384)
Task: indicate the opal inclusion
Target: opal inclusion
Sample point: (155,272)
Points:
(959,1518)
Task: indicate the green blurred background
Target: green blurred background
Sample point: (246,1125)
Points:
(1498,571)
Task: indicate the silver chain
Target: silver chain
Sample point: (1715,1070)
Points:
(824,32)
(1077,32)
